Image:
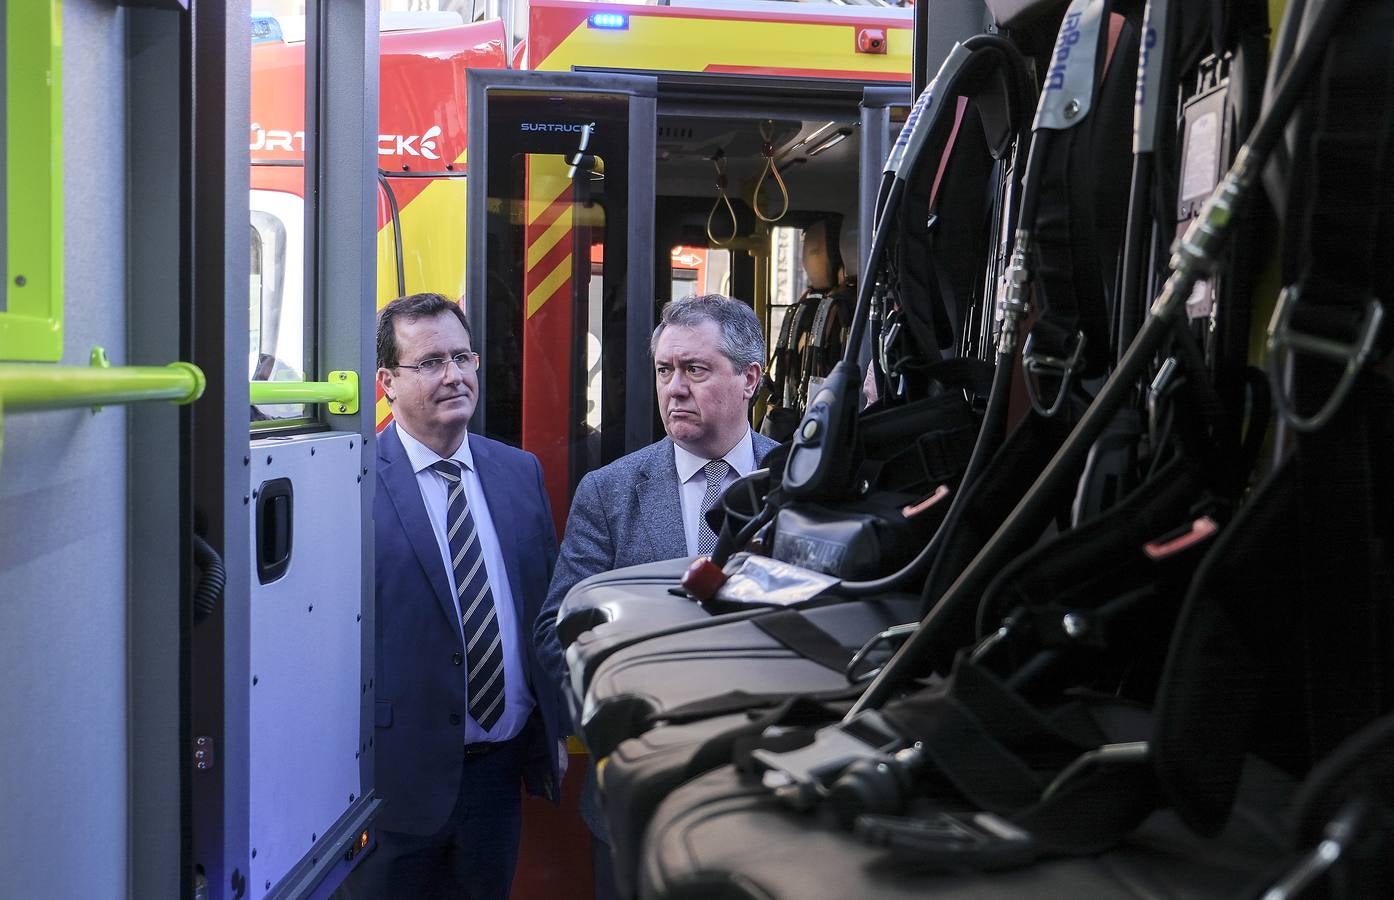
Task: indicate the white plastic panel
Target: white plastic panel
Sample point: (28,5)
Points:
(305,655)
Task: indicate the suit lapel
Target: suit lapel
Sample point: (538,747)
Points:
(660,507)
(402,488)
(503,512)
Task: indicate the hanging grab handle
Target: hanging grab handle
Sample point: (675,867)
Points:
(767,151)
(719,161)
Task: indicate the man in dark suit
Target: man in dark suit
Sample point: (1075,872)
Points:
(465,548)
(708,353)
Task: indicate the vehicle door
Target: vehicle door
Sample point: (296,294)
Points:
(560,211)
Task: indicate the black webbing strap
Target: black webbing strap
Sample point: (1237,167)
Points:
(736,701)
(1284,635)
(996,750)
(795,631)
(1091,812)
(779,359)
(824,346)
(1005,756)
(1351,204)
(979,511)
(791,370)
(799,711)
(1080,222)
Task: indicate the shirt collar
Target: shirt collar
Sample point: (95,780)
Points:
(740,457)
(423,457)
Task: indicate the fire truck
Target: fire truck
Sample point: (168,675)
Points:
(707,139)
(619,156)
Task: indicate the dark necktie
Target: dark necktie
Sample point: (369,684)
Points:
(483,649)
(716,473)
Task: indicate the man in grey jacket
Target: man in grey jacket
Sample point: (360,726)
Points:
(708,353)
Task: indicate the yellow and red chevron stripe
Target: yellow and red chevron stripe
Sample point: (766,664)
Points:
(548,281)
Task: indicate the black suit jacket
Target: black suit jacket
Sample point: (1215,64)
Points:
(420,730)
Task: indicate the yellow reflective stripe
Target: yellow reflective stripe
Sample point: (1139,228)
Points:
(548,240)
(672,43)
(544,290)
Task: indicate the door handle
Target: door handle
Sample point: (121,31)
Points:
(275,528)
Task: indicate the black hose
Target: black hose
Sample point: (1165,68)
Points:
(993,428)
(890,194)
(1197,251)
(209,590)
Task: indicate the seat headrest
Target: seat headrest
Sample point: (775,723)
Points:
(823,256)
(851,257)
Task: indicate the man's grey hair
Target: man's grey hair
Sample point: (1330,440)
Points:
(742,340)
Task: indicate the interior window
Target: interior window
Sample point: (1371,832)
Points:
(276,339)
(553,315)
(281,345)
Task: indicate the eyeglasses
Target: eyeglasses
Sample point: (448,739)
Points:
(467,362)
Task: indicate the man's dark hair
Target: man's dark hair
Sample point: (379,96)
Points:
(411,308)
(742,342)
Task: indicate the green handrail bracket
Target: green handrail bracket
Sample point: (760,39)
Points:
(340,393)
(31,314)
(25,387)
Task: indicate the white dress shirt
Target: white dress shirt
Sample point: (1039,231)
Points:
(517,699)
(693,483)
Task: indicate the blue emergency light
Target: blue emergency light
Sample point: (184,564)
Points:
(611,21)
(266,29)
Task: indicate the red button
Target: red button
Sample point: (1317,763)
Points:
(703,578)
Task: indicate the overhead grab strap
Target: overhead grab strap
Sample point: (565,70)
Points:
(767,151)
(719,161)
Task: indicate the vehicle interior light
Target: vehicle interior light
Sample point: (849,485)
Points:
(831,142)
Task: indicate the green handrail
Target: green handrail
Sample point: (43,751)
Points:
(25,387)
(30,387)
(340,392)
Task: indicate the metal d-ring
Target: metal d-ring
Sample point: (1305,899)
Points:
(895,632)
(1284,340)
(1033,364)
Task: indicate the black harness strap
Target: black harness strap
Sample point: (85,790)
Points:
(1346,641)
(792,629)
(743,701)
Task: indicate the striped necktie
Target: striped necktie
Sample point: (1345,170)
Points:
(483,649)
(716,474)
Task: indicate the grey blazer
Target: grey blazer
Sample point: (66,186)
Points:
(624,514)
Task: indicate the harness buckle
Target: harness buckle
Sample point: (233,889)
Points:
(1284,341)
(800,777)
(1034,364)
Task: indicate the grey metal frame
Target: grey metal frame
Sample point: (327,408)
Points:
(875,141)
(219,109)
(346,175)
(875,146)
(639,289)
(158,486)
(341,169)
(341,278)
